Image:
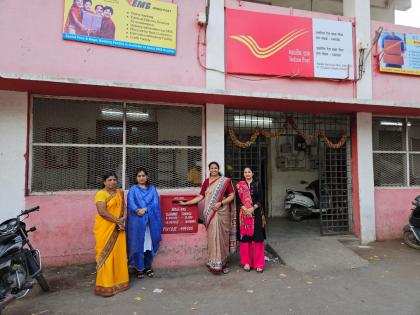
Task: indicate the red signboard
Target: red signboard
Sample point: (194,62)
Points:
(177,218)
(268,44)
(288,46)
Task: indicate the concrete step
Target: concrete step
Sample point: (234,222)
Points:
(316,254)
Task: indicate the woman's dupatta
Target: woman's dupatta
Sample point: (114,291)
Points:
(109,246)
(246,224)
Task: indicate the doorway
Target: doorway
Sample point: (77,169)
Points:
(288,149)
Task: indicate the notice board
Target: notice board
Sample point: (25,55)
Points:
(177,218)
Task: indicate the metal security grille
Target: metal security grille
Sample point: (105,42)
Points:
(289,152)
(335,189)
(236,159)
(396,151)
(74,142)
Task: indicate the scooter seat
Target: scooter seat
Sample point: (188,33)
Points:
(306,194)
(417,232)
(415,220)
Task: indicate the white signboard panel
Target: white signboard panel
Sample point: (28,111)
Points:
(333,49)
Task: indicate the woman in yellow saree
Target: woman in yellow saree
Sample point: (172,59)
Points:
(109,231)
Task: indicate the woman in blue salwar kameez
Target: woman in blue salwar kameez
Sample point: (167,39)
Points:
(144,225)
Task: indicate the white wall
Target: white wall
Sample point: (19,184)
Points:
(215,79)
(13,127)
(360,9)
(215,47)
(380,10)
(365,174)
(281,179)
(383,14)
(215,135)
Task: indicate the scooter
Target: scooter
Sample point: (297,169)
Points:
(301,204)
(412,230)
(20,263)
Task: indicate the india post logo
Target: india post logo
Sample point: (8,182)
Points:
(267,52)
(268,44)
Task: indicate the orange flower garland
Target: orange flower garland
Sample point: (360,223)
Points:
(254,136)
(292,123)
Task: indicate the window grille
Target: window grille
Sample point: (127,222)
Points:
(74,142)
(396,152)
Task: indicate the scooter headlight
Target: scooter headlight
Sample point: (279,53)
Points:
(3,228)
(13,223)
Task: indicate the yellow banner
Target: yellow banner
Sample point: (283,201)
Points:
(403,71)
(399,53)
(141,25)
(413,42)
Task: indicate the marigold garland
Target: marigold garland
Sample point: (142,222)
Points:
(254,136)
(268,134)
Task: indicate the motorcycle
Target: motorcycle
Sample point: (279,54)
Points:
(412,230)
(20,263)
(302,204)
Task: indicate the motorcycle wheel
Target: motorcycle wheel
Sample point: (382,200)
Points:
(291,214)
(43,283)
(411,240)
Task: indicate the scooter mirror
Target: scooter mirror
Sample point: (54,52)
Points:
(303,182)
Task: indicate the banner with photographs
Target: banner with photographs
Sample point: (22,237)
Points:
(399,53)
(140,25)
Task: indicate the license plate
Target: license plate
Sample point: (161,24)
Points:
(288,206)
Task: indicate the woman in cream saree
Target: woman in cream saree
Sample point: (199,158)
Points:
(220,218)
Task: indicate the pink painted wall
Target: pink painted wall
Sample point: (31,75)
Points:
(393,207)
(65,234)
(32,43)
(390,86)
(310,87)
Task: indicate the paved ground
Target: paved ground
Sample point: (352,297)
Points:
(301,247)
(389,284)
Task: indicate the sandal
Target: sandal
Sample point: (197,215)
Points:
(260,270)
(140,274)
(150,273)
(247,269)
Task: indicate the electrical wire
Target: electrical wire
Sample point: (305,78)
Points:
(200,62)
(291,76)
(363,57)
(266,78)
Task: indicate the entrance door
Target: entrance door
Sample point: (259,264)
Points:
(298,154)
(335,188)
(255,156)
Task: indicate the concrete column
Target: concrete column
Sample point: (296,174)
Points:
(360,9)
(13,126)
(215,60)
(365,175)
(384,14)
(215,135)
(215,48)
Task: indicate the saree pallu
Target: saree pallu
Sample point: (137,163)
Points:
(221,226)
(111,253)
(246,224)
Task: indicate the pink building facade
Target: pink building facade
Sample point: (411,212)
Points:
(55,96)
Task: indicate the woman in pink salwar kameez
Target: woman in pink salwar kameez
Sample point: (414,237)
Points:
(251,222)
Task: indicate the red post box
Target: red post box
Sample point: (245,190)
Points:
(177,218)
